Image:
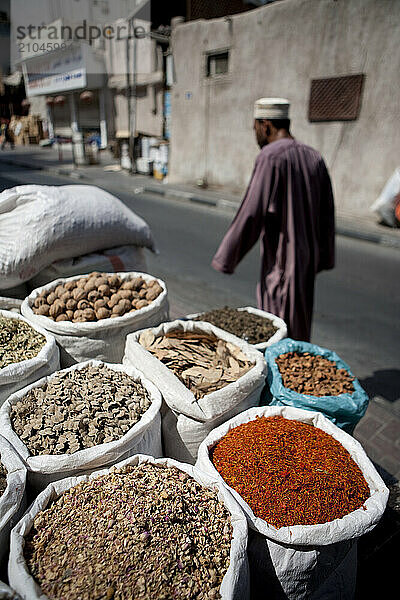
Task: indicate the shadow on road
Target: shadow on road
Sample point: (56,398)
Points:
(384,383)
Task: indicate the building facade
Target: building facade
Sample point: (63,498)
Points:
(290,48)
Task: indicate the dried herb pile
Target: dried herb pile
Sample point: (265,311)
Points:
(140,533)
(202,362)
(290,473)
(306,373)
(79,409)
(18,341)
(95,297)
(3,478)
(248,326)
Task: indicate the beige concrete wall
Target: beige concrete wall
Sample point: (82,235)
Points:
(275,51)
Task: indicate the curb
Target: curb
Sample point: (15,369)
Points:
(381,239)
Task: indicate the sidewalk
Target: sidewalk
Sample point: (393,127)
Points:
(358,224)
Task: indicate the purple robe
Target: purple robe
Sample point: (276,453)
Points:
(289,202)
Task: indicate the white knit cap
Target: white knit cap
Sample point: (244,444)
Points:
(271,108)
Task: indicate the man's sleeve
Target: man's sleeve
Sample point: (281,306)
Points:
(327,224)
(249,220)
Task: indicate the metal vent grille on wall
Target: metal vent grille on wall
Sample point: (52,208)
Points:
(335,98)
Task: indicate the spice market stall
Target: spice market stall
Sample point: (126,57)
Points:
(308,491)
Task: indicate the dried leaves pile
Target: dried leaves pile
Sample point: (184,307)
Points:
(306,373)
(95,297)
(18,341)
(79,409)
(3,479)
(201,361)
(248,326)
(143,533)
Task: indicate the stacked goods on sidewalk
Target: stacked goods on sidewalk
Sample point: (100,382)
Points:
(308,491)
(171,532)
(26,130)
(205,376)
(307,376)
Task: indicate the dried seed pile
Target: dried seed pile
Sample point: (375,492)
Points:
(96,296)
(248,326)
(18,341)
(201,361)
(79,409)
(306,373)
(290,473)
(142,533)
(3,478)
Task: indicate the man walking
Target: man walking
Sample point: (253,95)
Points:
(289,202)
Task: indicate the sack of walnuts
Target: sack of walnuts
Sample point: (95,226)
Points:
(91,315)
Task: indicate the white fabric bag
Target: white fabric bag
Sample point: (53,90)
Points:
(18,375)
(306,561)
(123,258)
(102,340)
(13,499)
(277,321)
(385,204)
(58,222)
(144,436)
(7,593)
(187,421)
(235,584)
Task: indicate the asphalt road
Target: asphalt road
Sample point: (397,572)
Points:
(356,304)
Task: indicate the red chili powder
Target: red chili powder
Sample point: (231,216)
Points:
(290,473)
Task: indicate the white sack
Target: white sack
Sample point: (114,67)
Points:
(7,593)
(277,321)
(143,437)
(309,561)
(187,421)
(18,375)
(40,224)
(385,204)
(235,584)
(11,304)
(102,340)
(122,258)
(13,500)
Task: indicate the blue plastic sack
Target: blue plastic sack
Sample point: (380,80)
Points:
(345,410)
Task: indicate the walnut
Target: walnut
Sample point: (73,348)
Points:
(71,304)
(115,298)
(157,288)
(100,303)
(79,293)
(89,314)
(151,295)
(66,296)
(59,291)
(43,310)
(142,293)
(51,298)
(39,301)
(126,294)
(70,285)
(103,313)
(82,304)
(90,285)
(104,289)
(77,315)
(93,296)
(128,285)
(141,304)
(137,283)
(101,281)
(70,314)
(57,308)
(125,305)
(114,281)
(62,317)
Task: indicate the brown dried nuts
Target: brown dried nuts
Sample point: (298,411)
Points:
(95,297)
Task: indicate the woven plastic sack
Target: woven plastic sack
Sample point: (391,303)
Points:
(305,561)
(345,410)
(235,584)
(13,499)
(59,222)
(185,420)
(18,375)
(277,321)
(123,258)
(144,436)
(102,340)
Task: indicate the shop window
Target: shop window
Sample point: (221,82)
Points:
(217,63)
(335,98)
